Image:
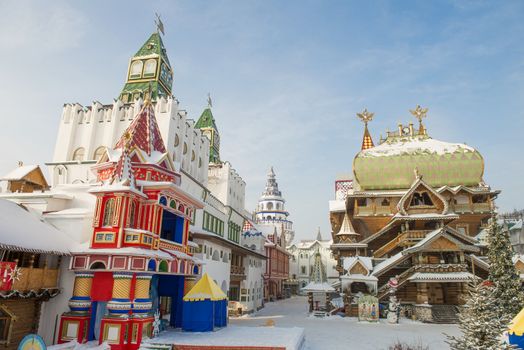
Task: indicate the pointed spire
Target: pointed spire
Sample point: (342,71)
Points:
(365,117)
(318,275)
(144,132)
(271,185)
(347,229)
(123,173)
(319,235)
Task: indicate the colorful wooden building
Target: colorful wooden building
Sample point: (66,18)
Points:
(138,260)
(413,209)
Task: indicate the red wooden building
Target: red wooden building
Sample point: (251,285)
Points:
(277,266)
(138,260)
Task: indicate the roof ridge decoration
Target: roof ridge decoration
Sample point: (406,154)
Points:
(403,204)
(365,117)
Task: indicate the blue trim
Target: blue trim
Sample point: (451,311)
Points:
(120,299)
(79,308)
(142,300)
(112,311)
(143,311)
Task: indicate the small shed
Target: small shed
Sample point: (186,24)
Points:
(516,330)
(204,307)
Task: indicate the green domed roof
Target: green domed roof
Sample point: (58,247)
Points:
(391,164)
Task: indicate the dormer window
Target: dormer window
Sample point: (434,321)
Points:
(135,71)
(421,199)
(108,212)
(150,68)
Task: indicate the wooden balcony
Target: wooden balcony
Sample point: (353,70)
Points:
(471,208)
(36,279)
(238,270)
(404,239)
(440,268)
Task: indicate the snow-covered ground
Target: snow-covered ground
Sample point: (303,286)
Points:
(347,333)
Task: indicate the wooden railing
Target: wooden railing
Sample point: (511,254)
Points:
(238,270)
(471,208)
(35,279)
(404,239)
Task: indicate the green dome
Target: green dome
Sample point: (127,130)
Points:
(391,164)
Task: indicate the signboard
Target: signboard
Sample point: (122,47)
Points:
(368,308)
(32,342)
(7,275)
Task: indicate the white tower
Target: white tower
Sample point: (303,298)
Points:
(271,209)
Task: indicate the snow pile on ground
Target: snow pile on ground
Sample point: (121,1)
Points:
(347,333)
(292,338)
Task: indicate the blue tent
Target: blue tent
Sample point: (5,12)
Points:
(204,307)
(516,330)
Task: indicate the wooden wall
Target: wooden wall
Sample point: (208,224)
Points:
(27,313)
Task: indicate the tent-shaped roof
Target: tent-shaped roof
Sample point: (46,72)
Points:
(517,324)
(206,288)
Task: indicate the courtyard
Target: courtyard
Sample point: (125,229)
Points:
(346,333)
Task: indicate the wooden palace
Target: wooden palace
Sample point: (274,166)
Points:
(411,212)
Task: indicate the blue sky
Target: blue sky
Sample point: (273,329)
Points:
(286,79)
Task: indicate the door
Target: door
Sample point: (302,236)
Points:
(435,294)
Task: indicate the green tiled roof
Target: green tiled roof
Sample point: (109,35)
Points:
(206,120)
(153,46)
(391,165)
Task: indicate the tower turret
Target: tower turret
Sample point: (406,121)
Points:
(207,124)
(149,67)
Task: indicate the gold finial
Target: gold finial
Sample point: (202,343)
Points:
(159,24)
(417,174)
(365,116)
(419,113)
(147,94)
(209,101)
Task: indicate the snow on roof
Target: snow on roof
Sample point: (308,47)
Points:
(19,173)
(349,262)
(444,276)
(84,248)
(517,225)
(358,277)
(425,216)
(318,287)
(20,230)
(387,263)
(415,145)
(337,205)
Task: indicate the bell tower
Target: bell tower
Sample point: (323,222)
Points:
(149,67)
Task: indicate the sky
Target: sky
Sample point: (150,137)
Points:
(286,79)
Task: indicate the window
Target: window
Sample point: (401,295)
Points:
(150,68)
(385,202)
(185,148)
(419,199)
(303,270)
(192,156)
(132,211)
(6,321)
(78,154)
(136,69)
(99,152)
(177,140)
(270,206)
(108,212)
(361,202)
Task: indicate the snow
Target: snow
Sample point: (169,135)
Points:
(415,145)
(337,205)
(291,337)
(388,262)
(441,276)
(349,262)
(318,287)
(19,172)
(84,248)
(341,333)
(19,228)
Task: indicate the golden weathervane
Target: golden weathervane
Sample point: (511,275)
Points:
(365,116)
(419,113)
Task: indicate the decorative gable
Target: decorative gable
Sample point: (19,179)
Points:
(444,244)
(421,198)
(358,269)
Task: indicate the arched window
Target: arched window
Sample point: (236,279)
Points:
(98,265)
(108,212)
(185,148)
(385,202)
(132,214)
(99,152)
(177,140)
(270,206)
(136,69)
(78,154)
(150,68)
